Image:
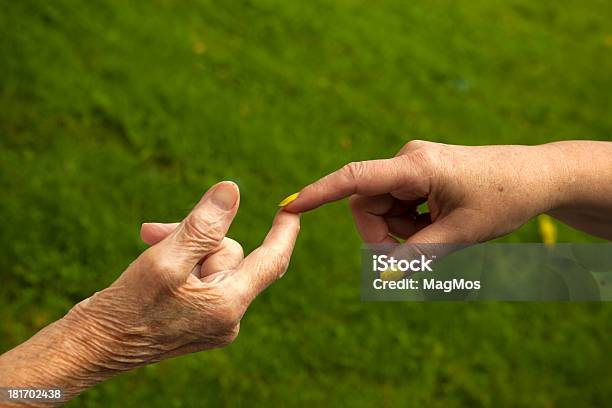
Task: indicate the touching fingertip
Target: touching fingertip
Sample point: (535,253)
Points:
(282,214)
(288,200)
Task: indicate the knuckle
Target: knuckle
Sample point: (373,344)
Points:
(156,270)
(233,246)
(158,262)
(411,146)
(228,338)
(165,267)
(415,144)
(274,266)
(229,313)
(425,156)
(204,231)
(278,262)
(353,170)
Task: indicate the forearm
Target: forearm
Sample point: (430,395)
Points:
(71,354)
(586,195)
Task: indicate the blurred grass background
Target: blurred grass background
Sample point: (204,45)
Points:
(117,112)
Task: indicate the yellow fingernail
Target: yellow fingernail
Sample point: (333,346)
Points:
(288,200)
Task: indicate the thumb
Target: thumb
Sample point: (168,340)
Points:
(437,240)
(203,230)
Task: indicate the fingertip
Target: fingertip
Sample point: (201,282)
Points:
(299,204)
(292,203)
(284,230)
(231,184)
(286,217)
(289,199)
(290,209)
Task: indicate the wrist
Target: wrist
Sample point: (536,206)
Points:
(111,335)
(78,357)
(583,175)
(81,351)
(557,180)
(585,198)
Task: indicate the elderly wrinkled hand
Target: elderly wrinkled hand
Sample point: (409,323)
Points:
(187,292)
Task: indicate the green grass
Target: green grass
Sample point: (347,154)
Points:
(114,113)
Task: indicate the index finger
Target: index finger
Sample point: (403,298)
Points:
(270,261)
(366,178)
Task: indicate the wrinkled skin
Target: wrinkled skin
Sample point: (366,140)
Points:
(186,293)
(189,291)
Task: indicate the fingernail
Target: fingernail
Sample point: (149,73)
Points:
(288,200)
(225,195)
